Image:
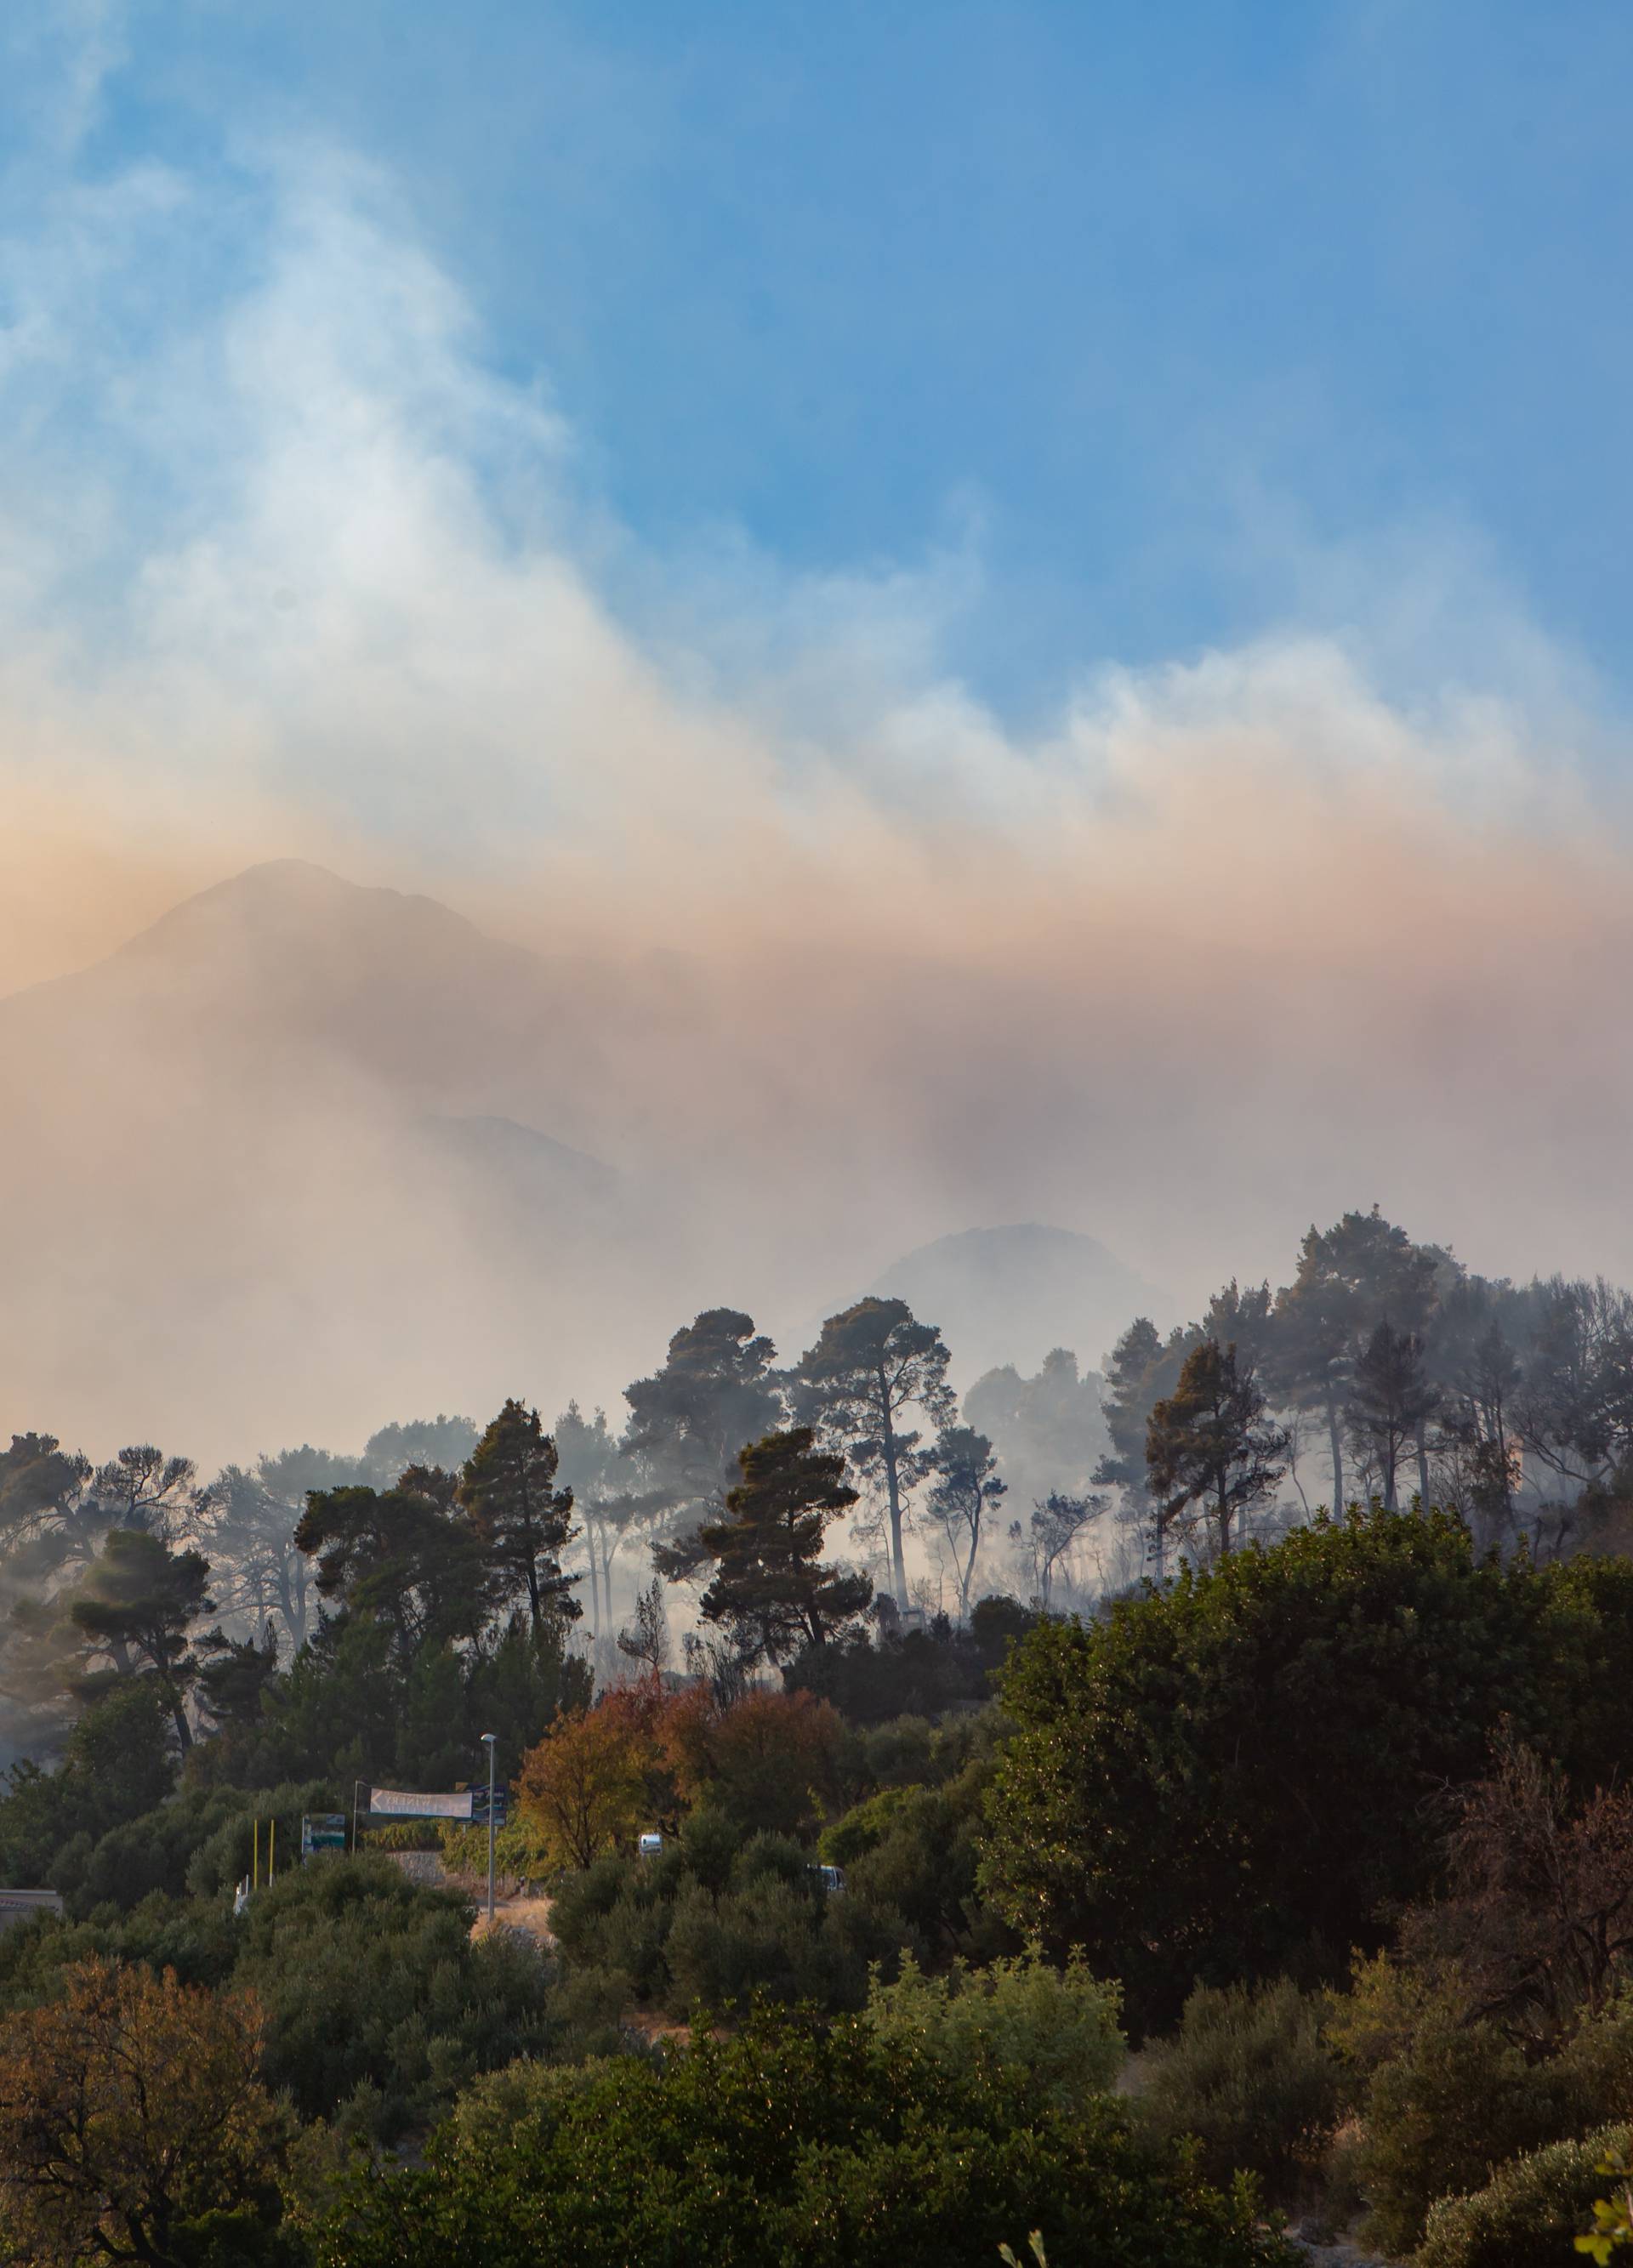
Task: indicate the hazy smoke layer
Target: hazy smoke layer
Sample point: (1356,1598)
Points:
(831,963)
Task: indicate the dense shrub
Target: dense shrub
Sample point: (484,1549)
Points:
(718,1917)
(1249,2074)
(201,1840)
(379,2005)
(1060,2026)
(1450,2099)
(921,1673)
(1225,1779)
(198,1939)
(1528,2213)
(1441,2117)
(117,1765)
(914,1853)
(790,2142)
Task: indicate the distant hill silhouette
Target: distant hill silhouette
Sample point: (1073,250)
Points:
(300,1146)
(1008,1295)
(305,1155)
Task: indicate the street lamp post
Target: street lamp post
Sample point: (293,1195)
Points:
(488,1742)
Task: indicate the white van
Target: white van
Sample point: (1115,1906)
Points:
(651,1844)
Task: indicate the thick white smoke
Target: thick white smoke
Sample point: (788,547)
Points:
(835,961)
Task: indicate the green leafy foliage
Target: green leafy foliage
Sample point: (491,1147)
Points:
(791,2141)
(914,1853)
(1613,2215)
(119,1764)
(351,1706)
(380,2005)
(1527,2212)
(1059,2025)
(1251,2076)
(873,1678)
(1460,2100)
(718,1917)
(1225,1779)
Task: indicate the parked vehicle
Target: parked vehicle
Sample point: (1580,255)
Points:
(651,1844)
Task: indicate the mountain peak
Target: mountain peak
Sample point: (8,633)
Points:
(1010,1293)
(294,889)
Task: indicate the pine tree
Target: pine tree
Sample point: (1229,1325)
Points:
(133,1613)
(871,1365)
(1210,1454)
(508,1488)
(772,1587)
(965,1487)
(1390,1401)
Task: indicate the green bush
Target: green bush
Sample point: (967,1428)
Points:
(1445,2115)
(1528,2213)
(1059,2026)
(1595,2065)
(792,2142)
(1251,2076)
(914,1853)
(919,1672)
(1454,2101)
(201,1841)
(1224,1780)
(380,2005)
(119,1763)
(199,1939)
(717,1919)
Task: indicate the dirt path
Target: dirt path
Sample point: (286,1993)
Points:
(1341,2255)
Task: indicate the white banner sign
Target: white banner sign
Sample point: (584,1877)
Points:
(400,1803)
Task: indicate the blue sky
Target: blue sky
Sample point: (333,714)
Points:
(1181,323)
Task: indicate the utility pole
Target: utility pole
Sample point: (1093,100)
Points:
(488,1742)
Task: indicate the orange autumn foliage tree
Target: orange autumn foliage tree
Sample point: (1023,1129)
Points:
(769,1760)
(597,1777)
(134,2124)
(642,1756)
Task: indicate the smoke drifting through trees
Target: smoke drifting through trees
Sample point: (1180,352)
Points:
(775,1499)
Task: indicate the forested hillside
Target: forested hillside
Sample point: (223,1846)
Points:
(1132,1810)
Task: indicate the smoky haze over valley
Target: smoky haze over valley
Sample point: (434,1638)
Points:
(304,1153)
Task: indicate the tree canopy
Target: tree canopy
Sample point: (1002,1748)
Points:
(771,1587)
(872,1363)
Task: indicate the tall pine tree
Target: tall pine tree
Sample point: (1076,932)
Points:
(773,1589)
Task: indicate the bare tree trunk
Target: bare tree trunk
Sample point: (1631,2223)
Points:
(969,1567)
(893,1492)
(1335,1444)
(590,1556)
(1423,1464)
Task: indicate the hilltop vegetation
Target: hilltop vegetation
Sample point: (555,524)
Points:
(1323,1811)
